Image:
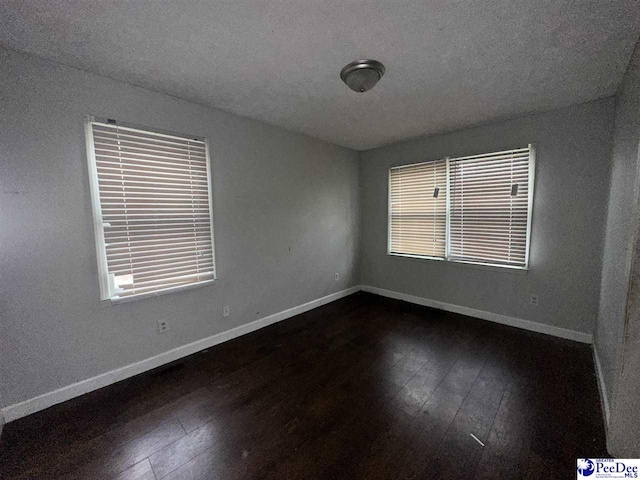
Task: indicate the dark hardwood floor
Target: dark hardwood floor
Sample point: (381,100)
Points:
(365,387)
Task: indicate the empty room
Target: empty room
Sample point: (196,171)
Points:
(319,240)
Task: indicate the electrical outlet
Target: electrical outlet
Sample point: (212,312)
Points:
(337,276)
(226,311)
(163,326)
(534,300)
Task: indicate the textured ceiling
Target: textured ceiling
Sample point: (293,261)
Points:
(450,64)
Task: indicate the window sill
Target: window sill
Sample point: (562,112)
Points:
(463,264)
(181,288)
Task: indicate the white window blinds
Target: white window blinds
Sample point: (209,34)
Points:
(489,207)
(472,209)
(418,209)
(152,203)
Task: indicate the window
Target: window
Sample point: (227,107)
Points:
(473,209)
(151,196)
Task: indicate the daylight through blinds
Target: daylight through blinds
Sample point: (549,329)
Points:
(473,208)
(155,209)
(489,207)
(418,204)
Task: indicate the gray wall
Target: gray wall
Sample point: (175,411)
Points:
(285,212)
(617,338)
(623,439)
(572,171)
(618,240)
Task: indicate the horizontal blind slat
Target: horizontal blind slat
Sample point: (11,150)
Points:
(143,135)
(126,171)
(505,153)
(151,146)
(125,263)
(141,234)
(111,184)
(159,257)
(155,245)
(161,167)
(126,225)
(184,154)
(152,267)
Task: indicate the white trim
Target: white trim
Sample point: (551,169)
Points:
(492,317)
(46,400)
(96,207)
(389,211)
(602,386)
(210,193)
(464,263)
(532,174)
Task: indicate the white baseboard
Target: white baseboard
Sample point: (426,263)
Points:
(493,317)
(604,396)
(27,407)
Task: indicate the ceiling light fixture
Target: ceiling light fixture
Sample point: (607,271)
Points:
(362,75)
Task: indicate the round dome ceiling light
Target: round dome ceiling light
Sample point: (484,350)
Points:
(362,75)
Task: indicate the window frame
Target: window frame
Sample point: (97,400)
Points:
(96,208)
(447,258)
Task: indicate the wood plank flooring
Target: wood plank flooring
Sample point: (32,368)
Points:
(362,388)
